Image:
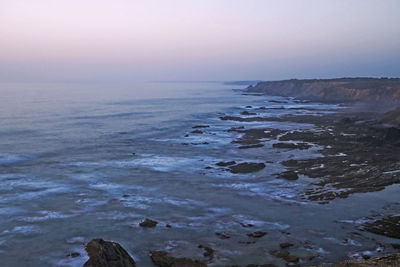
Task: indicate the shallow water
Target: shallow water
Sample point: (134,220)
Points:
(80,161)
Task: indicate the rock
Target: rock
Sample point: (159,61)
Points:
(251,146)
(225,163)
(396,246)
(257,234)
(107,254)
(223,235)
(246,224)
(200,126)
(197,132)
(387,226)
(286,256)
(73,254)
(246,113)
(168,226)
(248,106)
(148,223)
(162,259)
(393,260)
(288,175)
(285,245)
(247,167)
(208,252)
(292,145)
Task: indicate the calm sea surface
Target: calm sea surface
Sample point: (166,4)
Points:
(82,161)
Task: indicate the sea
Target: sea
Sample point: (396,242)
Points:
(92,160)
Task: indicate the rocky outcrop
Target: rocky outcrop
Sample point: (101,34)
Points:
(374,90)
(107,254)
(162,259)
(393,260)
(391,117)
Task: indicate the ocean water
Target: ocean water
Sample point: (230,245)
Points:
(83,161)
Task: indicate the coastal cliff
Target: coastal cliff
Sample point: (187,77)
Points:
(384,91)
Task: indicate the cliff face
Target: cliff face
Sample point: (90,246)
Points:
(380,91)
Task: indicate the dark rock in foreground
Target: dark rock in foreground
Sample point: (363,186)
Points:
(148,223)
(162,259)
(247,167)
(107,254)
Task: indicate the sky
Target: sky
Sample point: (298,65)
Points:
(129,40)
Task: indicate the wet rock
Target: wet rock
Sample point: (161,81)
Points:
(168,226)
(223,235)
(74,254)
(387,226)
(257,234)
(148,223)
(393,260)
(286,256)
(200,126)
(225,163)
(247,167)
(162,259)
(248,106)
(107,254)
(292,145)
(197,132)
(278,101)
(251,146)
(208,252)
(247,242)
(246,113)
(285,245)
(288,175)
(246,224)
(235,129)
(396,246)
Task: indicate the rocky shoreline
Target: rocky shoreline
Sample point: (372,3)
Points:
(359,151)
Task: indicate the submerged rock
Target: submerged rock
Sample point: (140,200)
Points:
(148,223)
(251,146)
(208,252)
(200,126)
(285,245)
(107,254)
(246,113)
(223,235)
(162,259)
(286,256)
(247,167)
(257,234)
(225,163)
(288,175)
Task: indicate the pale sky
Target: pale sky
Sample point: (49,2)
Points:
(128,40)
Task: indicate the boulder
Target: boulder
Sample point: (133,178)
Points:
(107,254)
